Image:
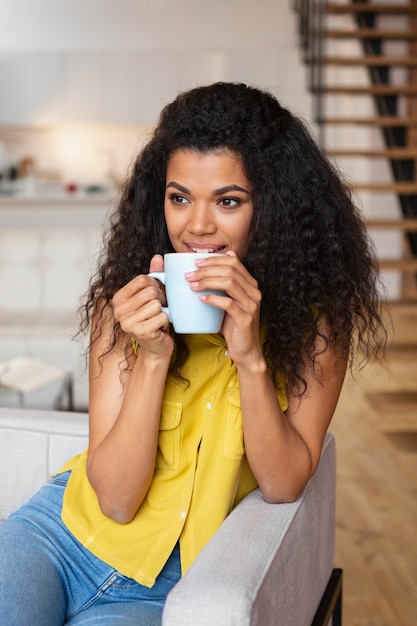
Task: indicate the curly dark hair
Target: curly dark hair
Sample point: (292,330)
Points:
(310,251)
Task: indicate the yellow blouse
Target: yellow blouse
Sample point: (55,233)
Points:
(201,472)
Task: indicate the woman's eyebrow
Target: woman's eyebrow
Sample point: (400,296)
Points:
(216,192)
(172,183)
(222,190)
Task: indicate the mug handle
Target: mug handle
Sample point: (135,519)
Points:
(161,276)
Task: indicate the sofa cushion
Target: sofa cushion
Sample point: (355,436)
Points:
(34,445)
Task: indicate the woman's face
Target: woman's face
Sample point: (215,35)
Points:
(208,202)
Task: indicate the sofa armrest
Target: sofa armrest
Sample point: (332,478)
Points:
(33,445)
(268,564)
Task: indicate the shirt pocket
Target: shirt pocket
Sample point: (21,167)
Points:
(233,442)
(169,439)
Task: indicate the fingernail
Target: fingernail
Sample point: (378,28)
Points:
(189,275)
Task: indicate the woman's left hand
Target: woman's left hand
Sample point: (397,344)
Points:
(241,303)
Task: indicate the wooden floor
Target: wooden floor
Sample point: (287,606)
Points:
(376,512)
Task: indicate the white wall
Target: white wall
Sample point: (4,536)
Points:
(68,65)
(66,62)
(143,24)
(119,61)
(156,46)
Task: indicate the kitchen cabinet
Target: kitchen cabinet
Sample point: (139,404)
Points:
(136,85)
(31,84)
(43,87)
(96,87)
(61,87)
(81,97)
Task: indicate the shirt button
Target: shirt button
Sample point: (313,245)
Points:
(208,405)
(226,354)
(183,514)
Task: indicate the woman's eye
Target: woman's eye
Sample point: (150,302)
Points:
(229,202)
(178,199)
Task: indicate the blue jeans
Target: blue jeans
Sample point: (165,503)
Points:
(47,578)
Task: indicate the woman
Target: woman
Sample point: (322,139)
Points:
(182,427)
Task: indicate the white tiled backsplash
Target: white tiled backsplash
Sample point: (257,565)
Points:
(44,271)
(42,277)
(48,247)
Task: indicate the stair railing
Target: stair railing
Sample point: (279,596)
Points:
(311,24)
(311,15)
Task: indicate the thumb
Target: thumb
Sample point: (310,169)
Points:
(157,263)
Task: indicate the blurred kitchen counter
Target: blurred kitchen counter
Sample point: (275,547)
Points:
(38,323)
(60,210)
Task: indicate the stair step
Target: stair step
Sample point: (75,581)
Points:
(386,121)
(386,153)
(365,7)
(402,188)
(407,225)
(372,61)
(400,265)
(370,33)
(375,90)
(403,306)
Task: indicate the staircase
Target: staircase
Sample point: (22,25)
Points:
(362,72)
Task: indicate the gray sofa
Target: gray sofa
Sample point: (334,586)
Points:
(267,564)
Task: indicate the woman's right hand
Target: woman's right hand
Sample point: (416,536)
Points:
(138,308)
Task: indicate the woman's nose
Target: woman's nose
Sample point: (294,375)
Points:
(202,221)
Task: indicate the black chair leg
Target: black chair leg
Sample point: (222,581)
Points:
(331,603)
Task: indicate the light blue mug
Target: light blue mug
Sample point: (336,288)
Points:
(188,314)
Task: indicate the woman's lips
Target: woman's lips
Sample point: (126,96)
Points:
(206,249)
